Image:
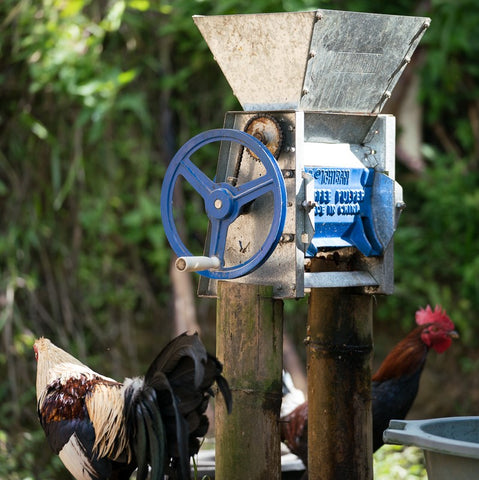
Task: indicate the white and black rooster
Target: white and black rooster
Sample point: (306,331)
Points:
(103,429)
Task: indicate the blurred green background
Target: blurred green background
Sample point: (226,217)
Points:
(96,97)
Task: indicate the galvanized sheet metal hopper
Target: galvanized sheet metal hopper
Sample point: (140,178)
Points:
(324,60)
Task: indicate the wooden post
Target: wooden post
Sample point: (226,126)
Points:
(339,348)
(249,343)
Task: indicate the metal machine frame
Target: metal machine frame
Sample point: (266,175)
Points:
(317,80)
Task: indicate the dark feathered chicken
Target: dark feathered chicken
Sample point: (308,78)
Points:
(394,385)
(103,429)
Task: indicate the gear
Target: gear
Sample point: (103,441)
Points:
(268,131)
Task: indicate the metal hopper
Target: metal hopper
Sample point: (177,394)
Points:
(323,60)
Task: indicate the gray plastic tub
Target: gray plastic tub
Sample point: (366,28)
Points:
(450,445)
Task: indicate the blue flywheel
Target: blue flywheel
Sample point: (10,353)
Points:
(224,202)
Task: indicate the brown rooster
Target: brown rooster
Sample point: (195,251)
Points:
(394,385)
(103,429)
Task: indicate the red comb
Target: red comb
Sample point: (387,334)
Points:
(438,315)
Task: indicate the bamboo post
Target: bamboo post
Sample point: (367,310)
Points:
(339,345)
(249,341)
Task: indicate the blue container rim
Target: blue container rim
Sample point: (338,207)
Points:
(457,436)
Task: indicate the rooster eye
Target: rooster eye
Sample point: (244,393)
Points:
(432,329)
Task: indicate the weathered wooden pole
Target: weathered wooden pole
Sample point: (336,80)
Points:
(339,346)
(249,343)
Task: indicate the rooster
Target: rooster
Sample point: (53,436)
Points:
(394,385)
(102,429)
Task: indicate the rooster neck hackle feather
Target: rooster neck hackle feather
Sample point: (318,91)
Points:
(105,407)
(404,359)
(53,363)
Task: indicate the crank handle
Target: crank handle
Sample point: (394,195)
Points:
(197,264)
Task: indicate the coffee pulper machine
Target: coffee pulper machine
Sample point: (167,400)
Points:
(307,169)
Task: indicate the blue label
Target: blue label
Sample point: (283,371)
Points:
(338,192)
(342,198)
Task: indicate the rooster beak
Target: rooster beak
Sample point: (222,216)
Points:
(453,334)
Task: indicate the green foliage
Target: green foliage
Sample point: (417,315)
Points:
(82,250)
(436,259)
(95,99)
(22,458)
(395,462)
(435,245)
(450,71)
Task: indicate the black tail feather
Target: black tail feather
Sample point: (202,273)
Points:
(172,361)
(145,429)
(182,376)
(223,384)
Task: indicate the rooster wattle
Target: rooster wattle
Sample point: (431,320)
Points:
(103,429)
